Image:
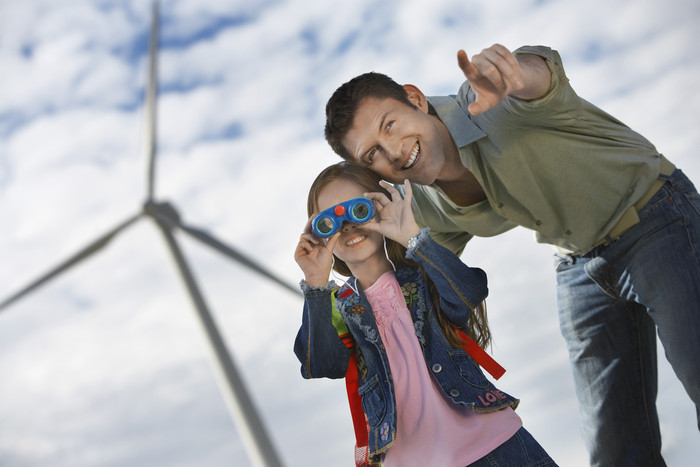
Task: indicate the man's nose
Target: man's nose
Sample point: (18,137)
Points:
(393,149)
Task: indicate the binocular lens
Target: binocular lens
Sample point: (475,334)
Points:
(360,211)
(356,210)
(324,225)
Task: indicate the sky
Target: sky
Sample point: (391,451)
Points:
(107,365)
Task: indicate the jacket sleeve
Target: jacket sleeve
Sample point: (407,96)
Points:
(461,288)
(317,346)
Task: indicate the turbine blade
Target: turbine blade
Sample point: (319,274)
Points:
(237,256)
(91,248)
(151,102)
(250,426)
(166,214)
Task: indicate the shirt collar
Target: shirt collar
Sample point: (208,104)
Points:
(457,120)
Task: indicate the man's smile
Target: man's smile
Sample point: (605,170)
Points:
(412,157)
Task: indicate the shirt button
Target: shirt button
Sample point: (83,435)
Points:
(538,222)
(568,232)
(437,368)
(500,205)
(454,393)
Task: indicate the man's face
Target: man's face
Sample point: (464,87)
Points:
(396,141)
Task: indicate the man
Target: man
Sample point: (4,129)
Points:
(517,146)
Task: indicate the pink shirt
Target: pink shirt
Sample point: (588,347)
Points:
(431,429)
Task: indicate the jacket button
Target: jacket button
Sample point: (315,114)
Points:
(454,393)
(437,368)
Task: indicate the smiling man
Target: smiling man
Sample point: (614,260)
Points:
(517,147)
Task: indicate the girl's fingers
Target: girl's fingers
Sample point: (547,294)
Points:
(409,190)
(311,238)
(380,198)
(389,187)
(332,240)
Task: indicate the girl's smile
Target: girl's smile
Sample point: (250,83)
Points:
(355,240)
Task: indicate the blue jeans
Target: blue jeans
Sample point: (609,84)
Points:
(612,300)
(521,450)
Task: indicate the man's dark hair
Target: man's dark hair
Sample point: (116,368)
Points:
(343,104)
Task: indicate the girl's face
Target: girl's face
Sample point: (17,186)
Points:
(356,243)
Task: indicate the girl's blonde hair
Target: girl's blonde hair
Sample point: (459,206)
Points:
(478,328)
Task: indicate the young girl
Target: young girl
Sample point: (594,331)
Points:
(394,325)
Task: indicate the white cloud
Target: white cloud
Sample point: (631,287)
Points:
(106,364)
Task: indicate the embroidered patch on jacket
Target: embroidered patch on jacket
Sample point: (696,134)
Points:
(384,432)
(404,273)
(490,397)
(358,309)
(410,292)
(361,365)
(344,293)
(351,301)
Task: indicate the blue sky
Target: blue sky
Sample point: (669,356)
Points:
(106,364)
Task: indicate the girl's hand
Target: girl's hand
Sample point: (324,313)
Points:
(315,256)
(394,215)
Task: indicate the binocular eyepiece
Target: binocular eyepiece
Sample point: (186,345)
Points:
(355,210)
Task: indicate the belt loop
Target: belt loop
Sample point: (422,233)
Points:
(666,167)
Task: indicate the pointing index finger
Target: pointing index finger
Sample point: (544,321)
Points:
(464,64)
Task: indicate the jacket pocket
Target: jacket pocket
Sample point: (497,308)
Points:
(468,369)
(373,402)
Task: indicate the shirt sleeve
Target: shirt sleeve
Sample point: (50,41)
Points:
(560,102)
(441,232)
(558,107)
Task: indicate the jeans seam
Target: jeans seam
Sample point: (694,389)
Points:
(642,375)
(687,222)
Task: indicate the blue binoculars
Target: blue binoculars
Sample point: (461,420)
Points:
(355,210)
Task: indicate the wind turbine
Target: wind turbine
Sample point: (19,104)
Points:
(253,434)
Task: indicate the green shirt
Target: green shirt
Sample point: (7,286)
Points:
(557,165)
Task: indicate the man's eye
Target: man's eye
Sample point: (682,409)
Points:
(389,125)
(370,157)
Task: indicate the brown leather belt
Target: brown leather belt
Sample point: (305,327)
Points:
(630,217)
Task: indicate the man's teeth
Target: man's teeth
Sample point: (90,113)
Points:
(412,159)
(356,240)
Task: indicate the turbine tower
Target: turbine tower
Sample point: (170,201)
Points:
(253,434)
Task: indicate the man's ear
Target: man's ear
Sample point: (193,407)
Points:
(416,97)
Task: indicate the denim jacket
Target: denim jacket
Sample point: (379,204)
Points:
(323,354)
